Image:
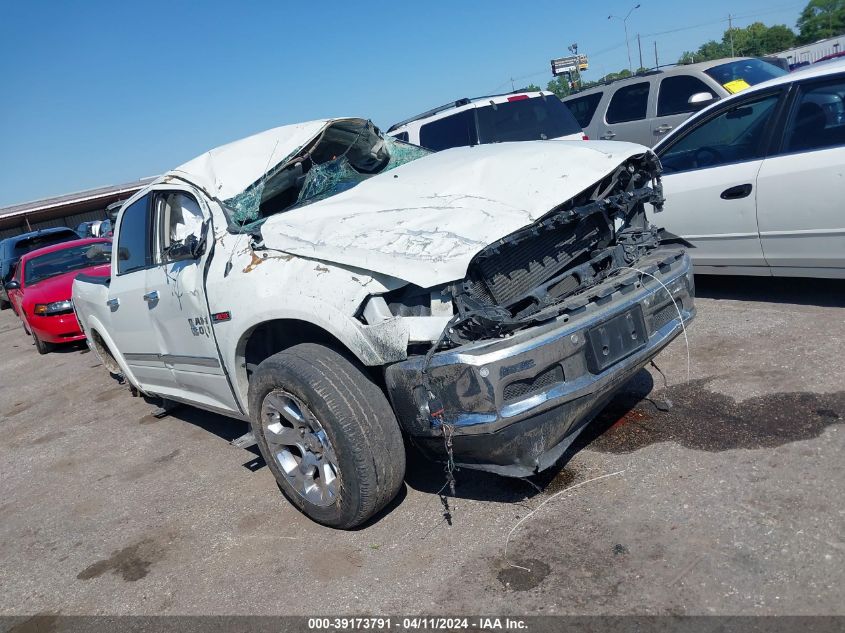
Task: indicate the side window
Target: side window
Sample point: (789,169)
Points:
(818,119)
(134,240)
(180,225)
(675,92)
(629,103)
(402,136)
(456,130)
(733,135)
(583,108)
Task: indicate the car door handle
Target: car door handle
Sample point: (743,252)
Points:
(151,296)
(608,135)
(113,303)
(735,193)
(662,129)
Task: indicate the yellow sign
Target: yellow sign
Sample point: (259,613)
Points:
(737,85)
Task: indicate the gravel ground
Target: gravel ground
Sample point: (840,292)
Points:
(729,502)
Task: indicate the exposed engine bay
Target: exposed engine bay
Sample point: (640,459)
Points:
(539,272)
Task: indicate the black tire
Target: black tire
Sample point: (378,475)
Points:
(355,415)
(42,346)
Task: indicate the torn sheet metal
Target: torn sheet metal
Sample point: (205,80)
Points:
(424,221)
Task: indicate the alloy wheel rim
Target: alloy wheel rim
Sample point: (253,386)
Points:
(300,447)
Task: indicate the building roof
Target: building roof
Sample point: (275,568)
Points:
(68,204)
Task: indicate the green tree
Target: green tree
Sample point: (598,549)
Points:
(532,88)
(754,40)
(821,19)
(560,86)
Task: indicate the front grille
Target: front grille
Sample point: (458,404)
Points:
(515,269)
(520,388)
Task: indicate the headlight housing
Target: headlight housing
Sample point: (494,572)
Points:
(57,307)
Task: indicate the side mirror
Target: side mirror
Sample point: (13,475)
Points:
(701,100)
(13,285)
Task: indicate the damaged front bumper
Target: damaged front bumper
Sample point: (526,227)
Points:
(517,403)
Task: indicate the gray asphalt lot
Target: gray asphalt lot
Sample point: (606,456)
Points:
(729,502)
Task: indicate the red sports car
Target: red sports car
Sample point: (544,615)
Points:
(40,289)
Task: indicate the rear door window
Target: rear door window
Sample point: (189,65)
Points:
(675,92)
(818,119)
(134,240)
(583,108)
(456,130)
(525,119)
(629,103)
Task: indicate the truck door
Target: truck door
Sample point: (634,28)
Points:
(130,320)
(178,308)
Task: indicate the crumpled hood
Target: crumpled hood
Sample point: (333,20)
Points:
(227,170)
(423,222)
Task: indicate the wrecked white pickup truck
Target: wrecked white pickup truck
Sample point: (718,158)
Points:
(339,289)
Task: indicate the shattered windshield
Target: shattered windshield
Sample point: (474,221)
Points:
(346,153)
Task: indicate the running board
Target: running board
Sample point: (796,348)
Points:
(244,441)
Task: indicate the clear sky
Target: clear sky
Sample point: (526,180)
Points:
(98,93)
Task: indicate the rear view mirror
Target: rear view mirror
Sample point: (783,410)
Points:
(13,285)
(700,100)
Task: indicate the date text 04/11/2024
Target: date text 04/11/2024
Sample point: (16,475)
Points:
(416,623)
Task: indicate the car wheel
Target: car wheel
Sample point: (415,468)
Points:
(25,328)
(327,433)
(42,346)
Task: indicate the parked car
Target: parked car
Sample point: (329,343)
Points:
(12,248)
(336,288)
(756,182)
(528,116)
(645,107)
(90,229)
(40,290)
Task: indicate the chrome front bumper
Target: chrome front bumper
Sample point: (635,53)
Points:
(516,403)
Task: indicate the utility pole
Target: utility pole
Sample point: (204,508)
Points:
(513,89)
(573,48)
(656,62)
(731,32)
(625,27)
(640,47)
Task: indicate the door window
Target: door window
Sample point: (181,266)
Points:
(583,108)
(818,119)
(629,103)
(734,135)
(456,130)
(675,92)
(180,225)
(134,240)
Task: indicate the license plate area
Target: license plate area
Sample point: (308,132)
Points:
(615,339)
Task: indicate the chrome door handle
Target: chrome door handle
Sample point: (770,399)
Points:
(608,135)
(662,129)
(151,296)
(113,303)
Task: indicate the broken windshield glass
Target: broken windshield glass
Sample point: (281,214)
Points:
(346,154)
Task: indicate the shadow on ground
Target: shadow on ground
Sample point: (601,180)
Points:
(815,292)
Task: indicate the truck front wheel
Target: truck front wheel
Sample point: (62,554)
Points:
(327,433)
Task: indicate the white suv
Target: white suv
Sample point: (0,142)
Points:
(524,116)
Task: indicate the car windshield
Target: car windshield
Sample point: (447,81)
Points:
(525,119)
(40,241)
(68,259)
(741,74)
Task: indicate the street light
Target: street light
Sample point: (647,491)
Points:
(625,26)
